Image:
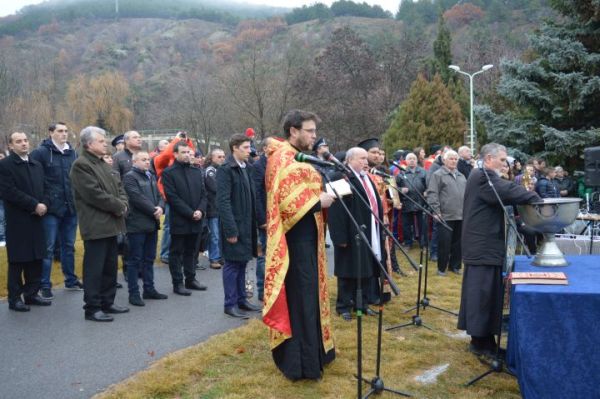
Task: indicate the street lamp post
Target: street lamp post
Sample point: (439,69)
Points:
(484,68)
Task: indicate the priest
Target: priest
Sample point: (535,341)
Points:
(296,301)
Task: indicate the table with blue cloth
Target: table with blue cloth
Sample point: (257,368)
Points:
(554,332)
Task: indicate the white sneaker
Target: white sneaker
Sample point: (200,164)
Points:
(2,243)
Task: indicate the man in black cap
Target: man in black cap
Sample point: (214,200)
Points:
(118,142)
(372,148)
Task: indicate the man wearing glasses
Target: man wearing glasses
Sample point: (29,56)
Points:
(56,156)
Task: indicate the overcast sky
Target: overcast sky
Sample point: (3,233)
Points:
(8,7)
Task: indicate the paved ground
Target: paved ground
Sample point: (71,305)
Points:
(53,352)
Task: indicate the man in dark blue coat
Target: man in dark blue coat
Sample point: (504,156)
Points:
(186,195)
(22,188)
(146,206)
(236,203)
(56,156)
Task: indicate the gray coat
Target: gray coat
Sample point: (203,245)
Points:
(99,197)
(446,192)
(122,162)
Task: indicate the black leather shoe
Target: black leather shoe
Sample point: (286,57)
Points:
(371,312)
(115,309)
(136,300)
(180,290)
(119,285)
(98,316)
(195,285)
(153,295)
(235,312)
(249,307)
(37,300)
(346,316)
(18,306)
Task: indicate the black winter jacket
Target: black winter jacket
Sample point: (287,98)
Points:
(57,183)
(416,182)
(185,193)
(210,181)
(483,236)
(143,197)
(237,211)
(260,168)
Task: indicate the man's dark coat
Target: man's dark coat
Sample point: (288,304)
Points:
(57,184)
(236,202)
(185,193)
(342,231)
(143,198)
(22,188)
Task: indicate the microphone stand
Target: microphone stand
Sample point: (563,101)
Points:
(424,302)
(376,383)
(497,365)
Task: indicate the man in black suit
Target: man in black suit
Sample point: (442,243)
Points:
(186,195)
(143,221)
(22,188)
(347,253)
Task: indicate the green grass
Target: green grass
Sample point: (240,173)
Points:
(238,363)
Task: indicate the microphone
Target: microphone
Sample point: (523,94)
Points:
(302,157)
(380,173)
(331,158)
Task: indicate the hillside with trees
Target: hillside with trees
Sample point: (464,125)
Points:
(216,76)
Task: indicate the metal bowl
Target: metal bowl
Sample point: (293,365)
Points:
(549,217)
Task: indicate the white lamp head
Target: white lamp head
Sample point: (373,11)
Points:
(455,68)
(486,67)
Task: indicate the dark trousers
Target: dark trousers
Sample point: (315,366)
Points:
(31,272)
(140,259)
(412,227)
(99,273)
(346,295)
(449,249)
(234,283)
(181,256)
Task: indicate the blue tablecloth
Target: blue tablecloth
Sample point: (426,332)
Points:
(554,333)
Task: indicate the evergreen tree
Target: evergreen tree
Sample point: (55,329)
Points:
(428,116)
(554,89)
(442,53)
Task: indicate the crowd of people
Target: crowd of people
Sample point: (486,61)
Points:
(264,205)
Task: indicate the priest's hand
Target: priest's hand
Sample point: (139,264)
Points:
(232,240)
(326,200)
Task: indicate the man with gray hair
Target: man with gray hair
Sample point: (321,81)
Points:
(101,204)
(445,194)
(483,243)
(465,161)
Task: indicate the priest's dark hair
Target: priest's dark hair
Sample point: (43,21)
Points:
(295,118)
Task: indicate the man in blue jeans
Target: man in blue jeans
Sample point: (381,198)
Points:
(260,168)
(56,156)
(143,221)
(215,159)
(237,213)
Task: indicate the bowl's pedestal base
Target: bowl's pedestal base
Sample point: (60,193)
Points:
(549,254)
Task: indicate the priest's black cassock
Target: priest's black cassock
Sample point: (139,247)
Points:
(483,243)
(347,259)
(303,355)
